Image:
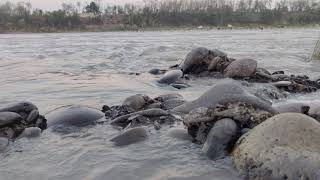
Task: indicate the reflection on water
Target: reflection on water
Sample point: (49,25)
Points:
(93,69)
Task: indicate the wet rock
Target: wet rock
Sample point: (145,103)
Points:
(74,115)
(156,71)
(130,136)
(286,146)
(224,91)
(117,111)
(179,133)
(171,77)
(196,61)
(220,139)
(41,123)
(180,85)
(7,118)
(19,107)
(166,97)
(155,105)
(33,116)
(4,143)
(31,132)
(219,64)
(292,107)
(136,102)
(172,103)
(241,68)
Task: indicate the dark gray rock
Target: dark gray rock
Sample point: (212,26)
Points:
(220,139)
(74,115)
(241,68)
(196,58)
(7,118)
(19,107)
(130,136)
(295,107)
(136,102)
(33,116)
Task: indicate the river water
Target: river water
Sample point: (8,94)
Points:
(94,69)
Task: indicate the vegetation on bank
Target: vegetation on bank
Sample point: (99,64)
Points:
(154,14)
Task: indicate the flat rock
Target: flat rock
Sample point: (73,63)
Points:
(74,115)
(286,146)
(241,68)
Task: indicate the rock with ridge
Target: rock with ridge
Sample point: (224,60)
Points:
(171,77)
(225,91)
(130,136)
(241,68)
(7,118)
(286,146)
(78,116)
(220,139)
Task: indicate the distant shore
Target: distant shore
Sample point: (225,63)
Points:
(115,28)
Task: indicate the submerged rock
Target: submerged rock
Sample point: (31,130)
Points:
(171,77)
(241,68)
(179,133)
(220,139)
(286,146)
(74,115)
(130,136)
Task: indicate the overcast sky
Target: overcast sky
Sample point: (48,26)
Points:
(56,4)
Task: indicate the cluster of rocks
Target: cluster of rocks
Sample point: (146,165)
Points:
(265,140)
(20,119)
(202,62)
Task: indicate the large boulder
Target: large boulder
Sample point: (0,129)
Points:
(286,146)
(225,91)
(78,116)
(195,59)
(241,68)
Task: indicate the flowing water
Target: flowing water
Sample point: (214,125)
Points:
(94,69)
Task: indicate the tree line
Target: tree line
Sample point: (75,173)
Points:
(157,13)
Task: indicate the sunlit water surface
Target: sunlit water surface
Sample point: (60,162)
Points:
(93,69)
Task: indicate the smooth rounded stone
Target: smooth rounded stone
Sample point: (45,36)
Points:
(7,118)
(155,105)
(19,107)
(130,136)
(220,139)
(31,132)
(295,107)
(179,133)
(217,52)
(156,71)
(194,58)
(280,84)
(136,102)
(33,116)
(4,143)
(286,146)
(74,115)
(171,77)
(224,91)
(241,68)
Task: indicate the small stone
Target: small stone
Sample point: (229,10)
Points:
(130,136)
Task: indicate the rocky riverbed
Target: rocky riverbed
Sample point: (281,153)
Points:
(247,108)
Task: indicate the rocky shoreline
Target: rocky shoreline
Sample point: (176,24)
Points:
(232,118)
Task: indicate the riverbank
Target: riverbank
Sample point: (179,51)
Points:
(121,27)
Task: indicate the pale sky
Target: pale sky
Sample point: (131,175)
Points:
(56,4)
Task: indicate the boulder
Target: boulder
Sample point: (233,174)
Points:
(7,118)
(286,146)
(241,68)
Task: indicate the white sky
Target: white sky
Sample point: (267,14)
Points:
(56,4)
